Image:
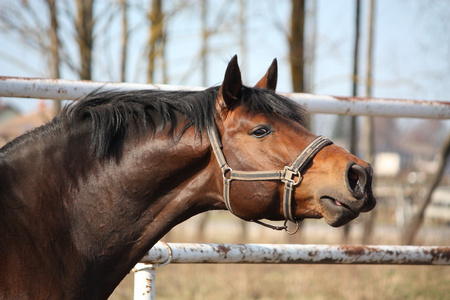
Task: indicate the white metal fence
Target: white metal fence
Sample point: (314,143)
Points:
(162,253)
(60,89)
(187,253)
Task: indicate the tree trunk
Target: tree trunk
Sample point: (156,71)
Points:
(156,41)
(368,123)
(416,221)
(205,36)
(243,37)
(54,50)
(353,127)
(296,45)
(84,25)
(123,61)
(310,45)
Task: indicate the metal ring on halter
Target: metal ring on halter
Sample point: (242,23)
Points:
(286,228)
(287,175)
(225,171)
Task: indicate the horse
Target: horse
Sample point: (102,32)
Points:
(85,196)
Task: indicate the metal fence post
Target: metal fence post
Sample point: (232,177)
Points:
(144,282)
(145,275)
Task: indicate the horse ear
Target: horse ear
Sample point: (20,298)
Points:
(269,80)
(232,84)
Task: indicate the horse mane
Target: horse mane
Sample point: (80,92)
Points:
(117,115)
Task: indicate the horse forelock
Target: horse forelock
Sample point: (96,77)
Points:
(269,102)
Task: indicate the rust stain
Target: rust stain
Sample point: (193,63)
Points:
(412,101)
(223,249)
(441,253)
(317,254)
(355,250)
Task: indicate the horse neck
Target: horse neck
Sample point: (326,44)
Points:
(158,183)
(31,179)
(85,223)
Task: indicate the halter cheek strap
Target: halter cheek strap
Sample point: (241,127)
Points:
(290,175)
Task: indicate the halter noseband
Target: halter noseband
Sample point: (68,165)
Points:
(290,175)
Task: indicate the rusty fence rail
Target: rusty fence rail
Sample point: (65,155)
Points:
(166,253)
(62,89)
(163,253)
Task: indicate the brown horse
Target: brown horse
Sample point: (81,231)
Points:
(84,197)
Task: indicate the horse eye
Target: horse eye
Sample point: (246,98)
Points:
(260,132)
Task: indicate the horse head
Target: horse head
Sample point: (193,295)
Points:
(262,134)
(97,187)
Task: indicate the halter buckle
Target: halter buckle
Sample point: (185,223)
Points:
(289,176)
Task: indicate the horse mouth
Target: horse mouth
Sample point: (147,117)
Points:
(337,213)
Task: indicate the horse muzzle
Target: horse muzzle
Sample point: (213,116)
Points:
(341,205)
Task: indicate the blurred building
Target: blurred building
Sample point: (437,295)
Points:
(13,124)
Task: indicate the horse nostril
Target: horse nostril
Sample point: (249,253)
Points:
(357,179)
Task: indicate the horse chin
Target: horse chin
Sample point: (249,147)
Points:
(336,213)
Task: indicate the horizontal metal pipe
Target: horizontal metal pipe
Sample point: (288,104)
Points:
(382,107)
(61,89)
(163,253)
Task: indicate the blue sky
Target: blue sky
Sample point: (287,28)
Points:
(411,56)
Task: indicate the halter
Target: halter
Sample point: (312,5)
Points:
(290,175)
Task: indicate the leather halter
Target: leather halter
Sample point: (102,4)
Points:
(290,175)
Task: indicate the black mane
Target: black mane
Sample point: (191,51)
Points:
(116,115)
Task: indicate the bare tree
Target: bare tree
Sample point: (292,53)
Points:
(205,36)
(54,40)
(353,128)
(296,44)
(368,121)
(21,19)
(310,45)
(156,41)
(123,59)
(55,61)
(414,224)
(353,132)
(84,25)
